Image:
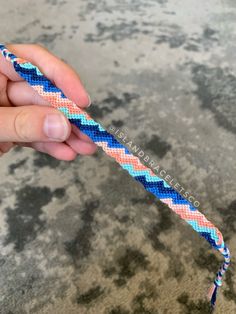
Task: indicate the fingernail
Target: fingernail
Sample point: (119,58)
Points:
(55,127)
(90,102)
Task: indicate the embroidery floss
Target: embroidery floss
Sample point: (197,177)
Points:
(151,182)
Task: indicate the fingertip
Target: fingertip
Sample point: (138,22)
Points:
(92,148)
(69,81)
(89,101)
(81,135)
(86,148)
(84,100)
(80,146)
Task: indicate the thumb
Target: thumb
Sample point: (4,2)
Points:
(33,124)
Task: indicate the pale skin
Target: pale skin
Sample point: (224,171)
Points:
(26,119)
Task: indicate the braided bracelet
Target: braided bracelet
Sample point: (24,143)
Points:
(151,182)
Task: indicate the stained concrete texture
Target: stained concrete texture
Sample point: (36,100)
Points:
(83,237)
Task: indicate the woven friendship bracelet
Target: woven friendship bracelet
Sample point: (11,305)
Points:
(151,182)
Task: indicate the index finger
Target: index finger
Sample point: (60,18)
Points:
(61,74)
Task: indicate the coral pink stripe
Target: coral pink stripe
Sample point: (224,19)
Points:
(120,156)
(55,100)
(187,214)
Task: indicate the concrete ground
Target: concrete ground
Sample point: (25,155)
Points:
(83,237)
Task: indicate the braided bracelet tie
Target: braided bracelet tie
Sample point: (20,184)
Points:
(151,182)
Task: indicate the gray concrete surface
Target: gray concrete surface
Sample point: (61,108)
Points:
(83,237)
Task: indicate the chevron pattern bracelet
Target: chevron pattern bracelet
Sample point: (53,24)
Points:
(151,182)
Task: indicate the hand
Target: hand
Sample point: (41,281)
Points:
(26,119)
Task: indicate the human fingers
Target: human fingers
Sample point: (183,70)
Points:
(33,124)
(61,74)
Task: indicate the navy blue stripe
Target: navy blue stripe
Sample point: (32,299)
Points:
(207,236)
(97,135)
(31,76)
(157,188)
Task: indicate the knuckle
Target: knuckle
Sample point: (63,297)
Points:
(21,125)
